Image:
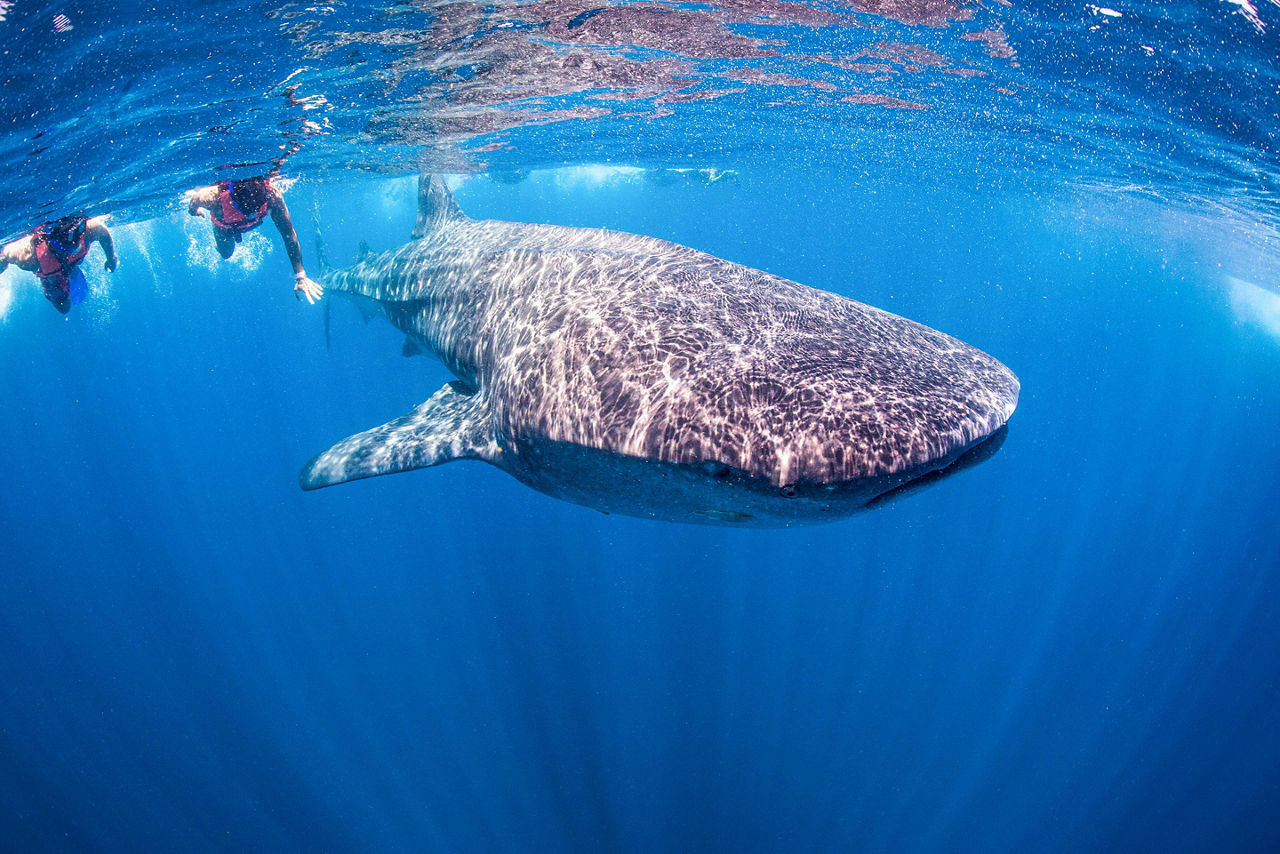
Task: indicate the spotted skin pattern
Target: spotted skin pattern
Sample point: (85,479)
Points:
(640,363)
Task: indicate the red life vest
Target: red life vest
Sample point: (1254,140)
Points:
(57,268)
(234,219)
(53,264)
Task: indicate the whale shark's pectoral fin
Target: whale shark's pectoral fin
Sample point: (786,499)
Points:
(453,425)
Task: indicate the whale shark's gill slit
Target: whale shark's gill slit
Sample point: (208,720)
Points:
(582,17)
(980,452)
(461,388)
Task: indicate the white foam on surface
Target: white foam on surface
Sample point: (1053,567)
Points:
(595,175)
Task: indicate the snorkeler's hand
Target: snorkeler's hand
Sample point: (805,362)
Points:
(111,263)
(304,287)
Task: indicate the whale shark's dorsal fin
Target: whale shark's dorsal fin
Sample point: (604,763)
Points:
(435,206)
(453,425)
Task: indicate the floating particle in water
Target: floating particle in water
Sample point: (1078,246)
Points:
(61,23)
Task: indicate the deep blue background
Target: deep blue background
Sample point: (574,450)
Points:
(1071,647)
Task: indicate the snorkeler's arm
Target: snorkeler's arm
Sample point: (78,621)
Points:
(96,229)
(302,284)
(201,198)
(21,253)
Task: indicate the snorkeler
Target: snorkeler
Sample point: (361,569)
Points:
(54,252)
(238,206)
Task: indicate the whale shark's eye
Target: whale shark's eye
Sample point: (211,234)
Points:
(716,470)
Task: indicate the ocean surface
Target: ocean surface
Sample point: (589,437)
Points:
(1074,646)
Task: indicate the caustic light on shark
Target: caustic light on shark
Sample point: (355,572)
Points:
(636,376)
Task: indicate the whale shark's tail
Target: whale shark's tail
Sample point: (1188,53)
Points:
(435,206)
(322,257)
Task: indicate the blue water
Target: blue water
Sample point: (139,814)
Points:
(1069,647)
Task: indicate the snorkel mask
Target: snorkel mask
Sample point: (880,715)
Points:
(64,235)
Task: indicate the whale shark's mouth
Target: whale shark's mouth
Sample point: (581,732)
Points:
(971,456)
(978,453)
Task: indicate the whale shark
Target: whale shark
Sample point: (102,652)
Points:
(640,377)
